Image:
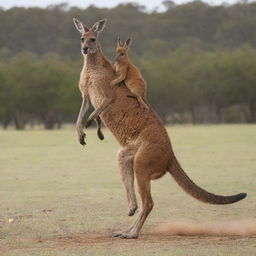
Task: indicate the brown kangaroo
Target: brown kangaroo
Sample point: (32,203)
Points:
(83,83)
(129,73)
(146,151)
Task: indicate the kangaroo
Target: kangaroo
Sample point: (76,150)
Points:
(146,151)
(129,73)
(84,82)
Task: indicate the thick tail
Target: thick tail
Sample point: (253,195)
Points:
(191,188)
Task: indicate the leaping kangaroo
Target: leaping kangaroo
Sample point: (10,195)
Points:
(146,151)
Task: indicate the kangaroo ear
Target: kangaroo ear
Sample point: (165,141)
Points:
(99,26)
(119,42)
(80,26)
(128,43)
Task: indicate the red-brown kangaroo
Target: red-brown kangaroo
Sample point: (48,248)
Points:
(146,151)
(129,73)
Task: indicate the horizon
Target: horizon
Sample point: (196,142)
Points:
(150,5)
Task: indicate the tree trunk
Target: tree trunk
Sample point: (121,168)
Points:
(219,114)
(252,108)
(195,115)
(49,120)
(18,121)
(59,122)
(249,112)
(6,122)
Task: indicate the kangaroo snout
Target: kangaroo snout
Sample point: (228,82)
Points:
(85,50)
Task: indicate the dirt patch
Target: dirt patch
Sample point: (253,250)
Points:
(147,239)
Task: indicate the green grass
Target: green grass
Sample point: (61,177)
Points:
(65,199)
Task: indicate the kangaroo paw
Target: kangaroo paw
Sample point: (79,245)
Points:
(81,139)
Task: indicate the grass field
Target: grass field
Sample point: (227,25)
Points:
(58,198)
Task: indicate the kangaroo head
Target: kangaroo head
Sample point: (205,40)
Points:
(89,36)
(122,49)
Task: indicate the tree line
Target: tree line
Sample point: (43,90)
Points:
(199,61)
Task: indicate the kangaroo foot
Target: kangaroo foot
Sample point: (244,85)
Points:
(100,135)
(125,235)
(131,211)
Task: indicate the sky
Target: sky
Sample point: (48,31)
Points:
(150,4)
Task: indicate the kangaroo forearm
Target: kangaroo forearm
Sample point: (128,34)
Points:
(99,110)
(79,123)
(118,80)
(83,110)
(114,67)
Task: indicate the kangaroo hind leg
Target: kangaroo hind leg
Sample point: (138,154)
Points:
(99,131)
(125,159)
(144,173)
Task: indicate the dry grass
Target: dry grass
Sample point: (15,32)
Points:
(58,198)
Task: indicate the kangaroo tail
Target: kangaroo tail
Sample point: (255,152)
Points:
(192,189)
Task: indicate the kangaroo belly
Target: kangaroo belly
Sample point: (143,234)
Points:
(96,96)
(125,119)
(99,88)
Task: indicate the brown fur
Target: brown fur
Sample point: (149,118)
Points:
(146,148)
(129,73)
(86,44)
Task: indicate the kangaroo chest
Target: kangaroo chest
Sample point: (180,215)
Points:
(98,87)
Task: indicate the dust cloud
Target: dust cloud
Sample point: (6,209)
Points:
(245,228)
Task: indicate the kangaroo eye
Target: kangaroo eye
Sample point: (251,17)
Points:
(82,39)
(93,40)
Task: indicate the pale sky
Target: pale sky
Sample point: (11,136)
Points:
(150,4)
